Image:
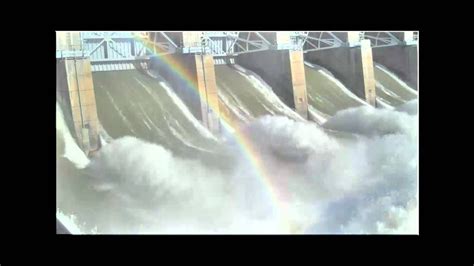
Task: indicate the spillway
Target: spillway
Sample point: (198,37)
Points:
(391,90)
(132,107)
(130,103)
(247,96)
(326,94)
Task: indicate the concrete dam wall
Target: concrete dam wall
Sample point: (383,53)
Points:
(402,60)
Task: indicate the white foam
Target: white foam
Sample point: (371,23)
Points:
(365,184)
(104,135)
(69,222)
(400,220)
(371,121)
(410,107)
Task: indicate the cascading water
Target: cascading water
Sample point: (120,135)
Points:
(163,173)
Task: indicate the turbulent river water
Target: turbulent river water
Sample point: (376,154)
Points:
(351,170)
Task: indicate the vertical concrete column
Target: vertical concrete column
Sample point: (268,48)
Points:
(82,103)
(368,72)
(206,82)
(298,80)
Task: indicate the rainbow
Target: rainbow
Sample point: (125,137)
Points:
(244,144)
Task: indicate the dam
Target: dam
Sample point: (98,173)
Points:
(200,132)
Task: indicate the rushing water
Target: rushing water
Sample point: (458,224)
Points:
(160,171)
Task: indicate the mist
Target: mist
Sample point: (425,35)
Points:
(357,173)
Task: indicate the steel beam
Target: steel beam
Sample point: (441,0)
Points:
(261,37)
(168,38)
(382,39)
(321,42)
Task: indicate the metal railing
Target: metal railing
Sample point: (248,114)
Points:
(101,45)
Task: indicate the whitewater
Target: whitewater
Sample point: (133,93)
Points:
(358,175)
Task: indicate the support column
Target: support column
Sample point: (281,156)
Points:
(206,82)
(76,92)
(368,72)
(351,64)
(298,80)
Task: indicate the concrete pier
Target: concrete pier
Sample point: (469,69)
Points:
(75,91)
(298,81)
(400,59)
(351,64)
(206,83)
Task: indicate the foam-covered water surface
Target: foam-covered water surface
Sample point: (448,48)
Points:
(310,176)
